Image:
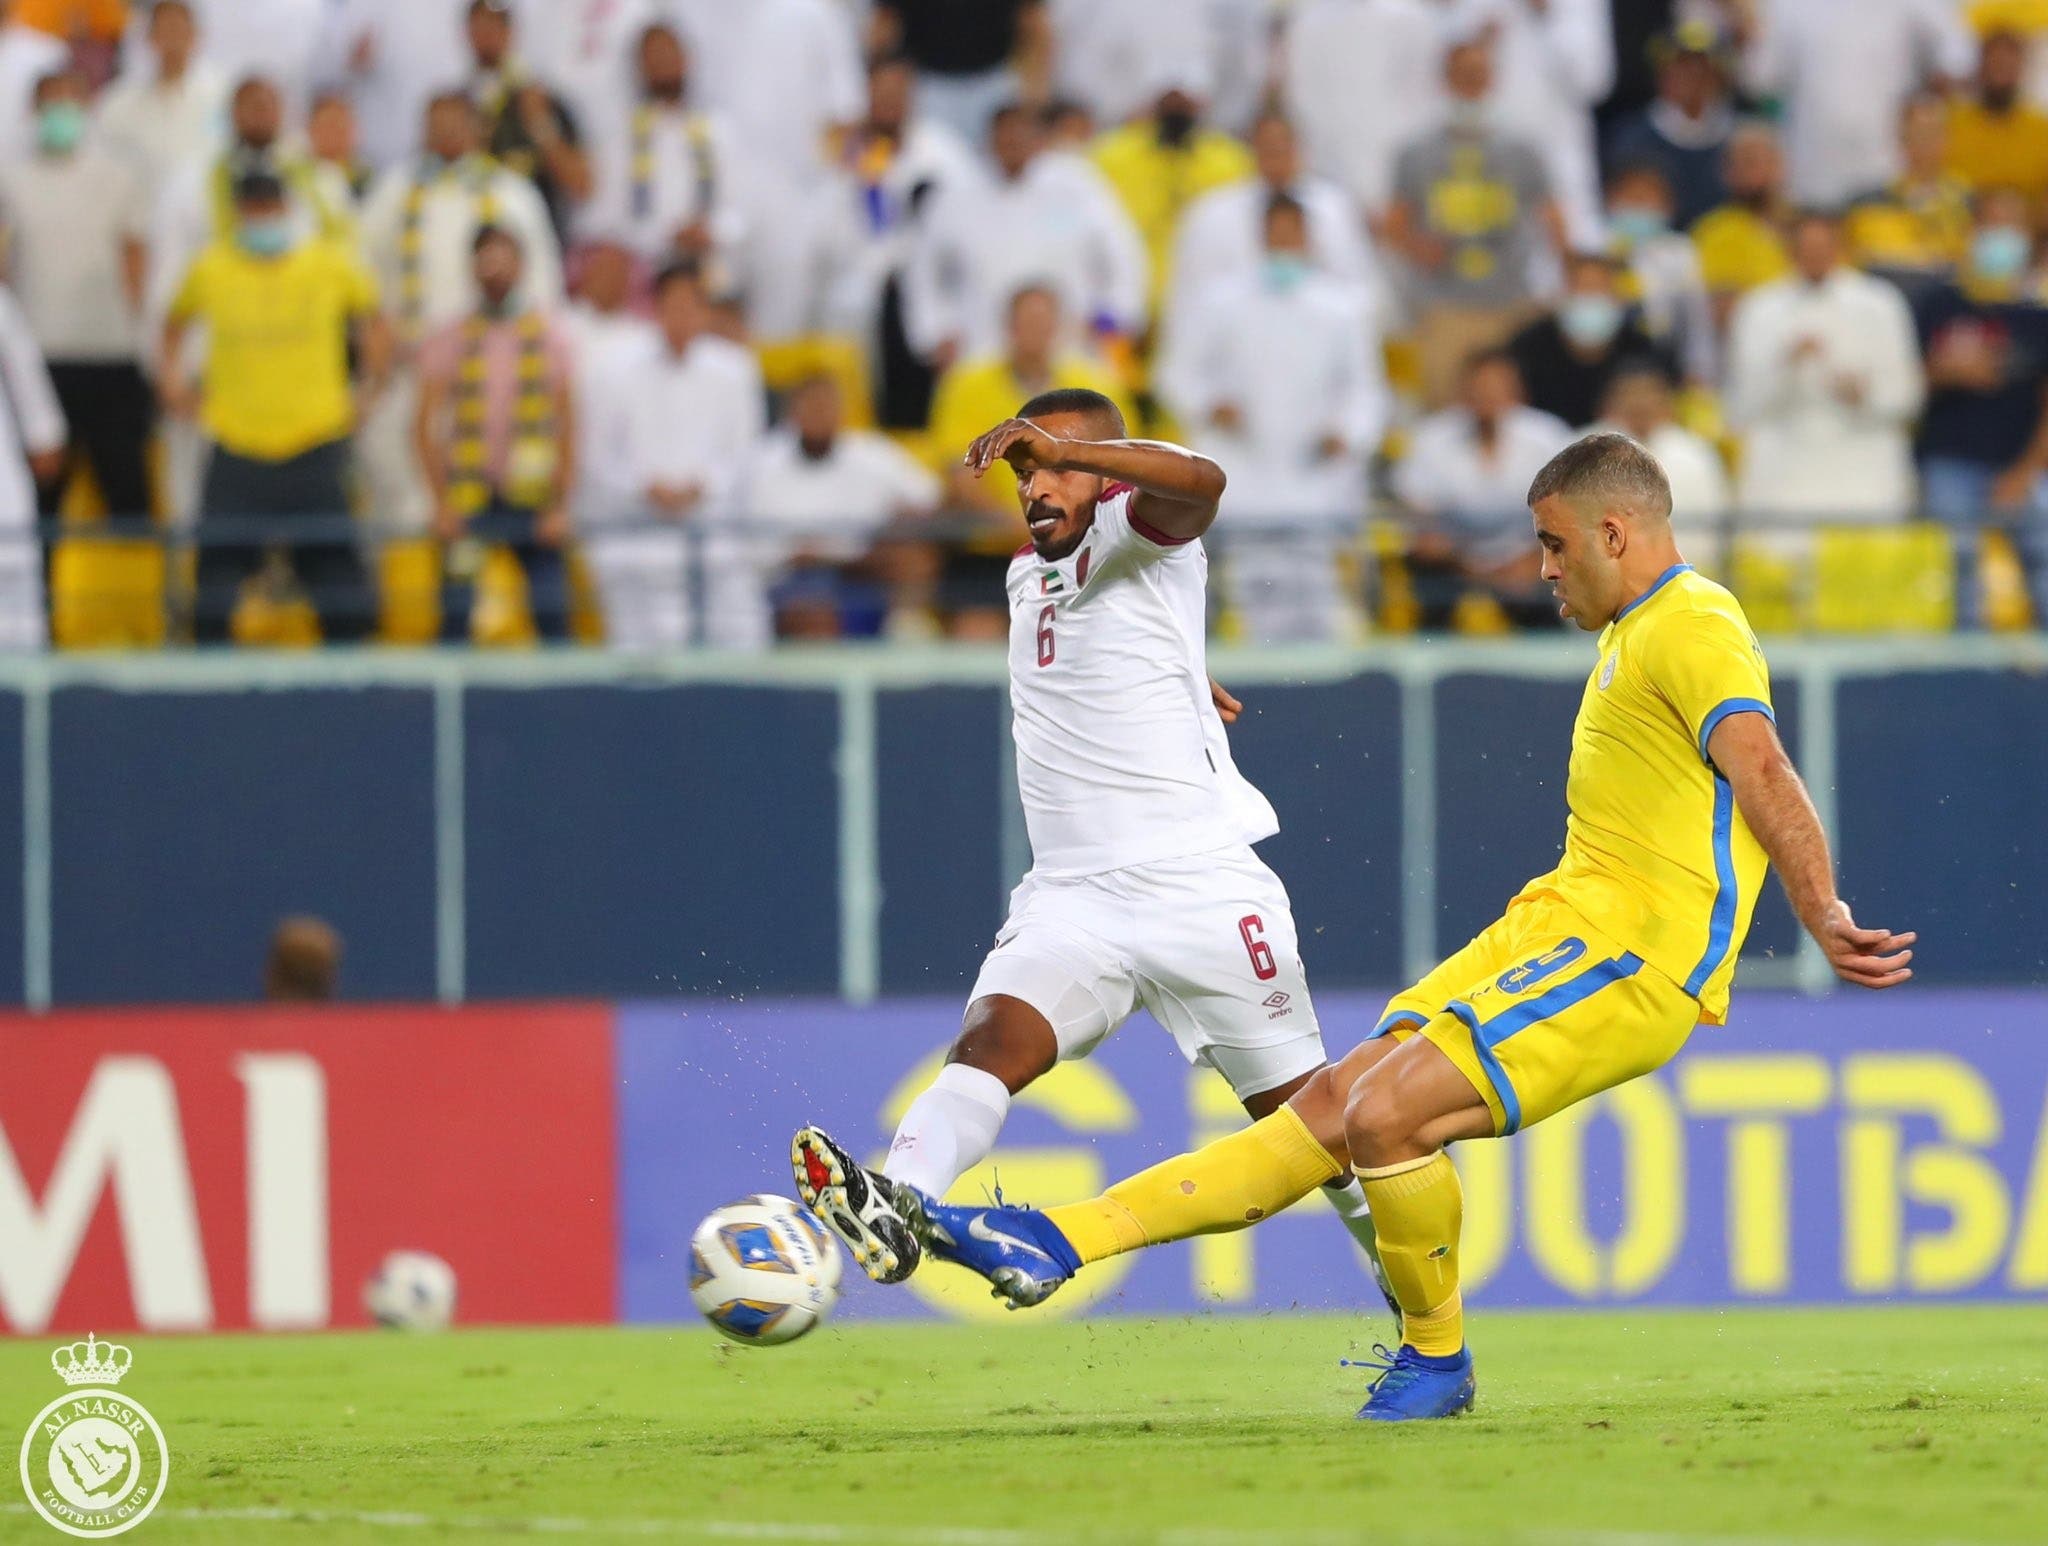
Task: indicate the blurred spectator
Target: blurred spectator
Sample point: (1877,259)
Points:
(1046,220)
(694,416)
(304,962)
(496,435)
(785,73)
(1568,355)
(1068,126)
(1639,27)
(1843,69)
(1465,482)
(32,436)
(1221,236)
(76,258)
(278,309)
(1685,131)
(1915,230)
(333,137)
(608,339)
(198,208)
(585,50)
(280,40)
(392,56)
(1742,243)
(1662,271)
(1997,138)
(164,112)
(827,494)
(970,59)
(419,229)
(1362,80)
(898,160)
(1109,50)
(1553,60)
(1639,404)
(1473,215)
(525,126)
(27,54)
(1277,375)
(1160,164)
(975,394)
(668,180)
(1824,381)
(1983,441)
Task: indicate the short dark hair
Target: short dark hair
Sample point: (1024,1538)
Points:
(1606,469)
(486,234)
(1489,354)
(1085,402)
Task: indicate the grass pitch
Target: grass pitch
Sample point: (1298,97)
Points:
(1637,1429)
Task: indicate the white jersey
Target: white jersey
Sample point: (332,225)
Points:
(1121,757)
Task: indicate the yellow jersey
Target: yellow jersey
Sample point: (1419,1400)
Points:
(277,379)
(1656,855)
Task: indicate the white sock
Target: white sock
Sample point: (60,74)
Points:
(1348,1198)
(950,1129)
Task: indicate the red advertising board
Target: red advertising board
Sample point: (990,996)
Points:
(248,1168)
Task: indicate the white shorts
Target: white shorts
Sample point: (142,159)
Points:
(1207,944)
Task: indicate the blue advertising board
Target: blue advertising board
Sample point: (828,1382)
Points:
(1847,1148)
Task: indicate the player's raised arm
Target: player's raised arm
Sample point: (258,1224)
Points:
(1177,489)
(1773,800)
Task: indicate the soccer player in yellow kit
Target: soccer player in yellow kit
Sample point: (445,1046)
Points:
(1679,793)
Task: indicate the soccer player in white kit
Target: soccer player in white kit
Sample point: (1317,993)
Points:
(1143,888)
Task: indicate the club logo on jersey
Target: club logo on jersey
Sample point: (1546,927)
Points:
(1541,968)
(1607,669)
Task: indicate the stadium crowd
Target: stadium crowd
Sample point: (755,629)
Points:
(673,316)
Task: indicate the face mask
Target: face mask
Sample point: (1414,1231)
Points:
(267,238)
(1999,253)
(60,126)
(1635,226)
(1284,271)
(1589,321)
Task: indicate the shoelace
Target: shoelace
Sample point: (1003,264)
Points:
(1395,1366)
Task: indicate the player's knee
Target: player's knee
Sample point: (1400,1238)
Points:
(1006,1046)
(1377,1128)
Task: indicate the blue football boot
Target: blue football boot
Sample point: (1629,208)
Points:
(1018,1250)
(1411,1386)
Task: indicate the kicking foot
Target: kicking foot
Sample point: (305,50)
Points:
(1018,1250)
(1411,1386)
(876,1217)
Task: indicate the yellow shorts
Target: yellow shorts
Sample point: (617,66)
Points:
(1543,1010)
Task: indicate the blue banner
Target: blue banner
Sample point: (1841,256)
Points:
(1813,1151)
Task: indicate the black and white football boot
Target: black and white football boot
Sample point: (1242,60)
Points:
(878,1219)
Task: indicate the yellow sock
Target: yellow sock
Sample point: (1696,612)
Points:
(1418,1208)
(1232,1182)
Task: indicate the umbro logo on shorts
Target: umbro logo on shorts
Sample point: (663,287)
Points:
(1278,1002)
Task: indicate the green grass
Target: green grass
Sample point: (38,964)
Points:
(1638,1429)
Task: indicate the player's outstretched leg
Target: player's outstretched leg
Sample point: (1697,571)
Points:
(1400,1115)
(876,1217)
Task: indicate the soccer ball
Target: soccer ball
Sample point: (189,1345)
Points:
(411,1291)
(763,1270)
